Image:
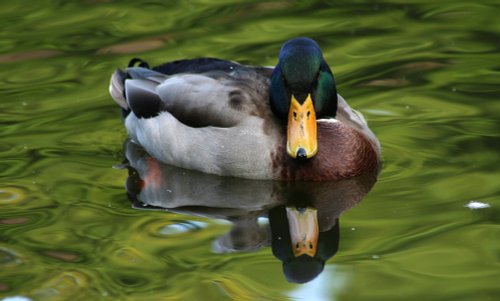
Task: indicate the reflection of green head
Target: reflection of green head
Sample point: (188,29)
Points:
(302,268)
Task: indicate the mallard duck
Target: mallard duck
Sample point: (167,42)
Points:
(225,118)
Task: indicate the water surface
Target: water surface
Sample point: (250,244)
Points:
(424,74)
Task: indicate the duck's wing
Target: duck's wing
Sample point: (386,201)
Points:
(214,98)
(213,122)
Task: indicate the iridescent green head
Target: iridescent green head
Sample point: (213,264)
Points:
(302,90)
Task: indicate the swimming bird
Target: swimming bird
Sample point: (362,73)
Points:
(220,117)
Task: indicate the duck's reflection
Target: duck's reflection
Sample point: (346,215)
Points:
(303,227)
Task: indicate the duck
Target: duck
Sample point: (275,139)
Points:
(221,117)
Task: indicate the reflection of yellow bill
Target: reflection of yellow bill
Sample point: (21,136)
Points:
(302,130)
(304,230)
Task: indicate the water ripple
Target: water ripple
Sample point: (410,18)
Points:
(13,196)
(425,75)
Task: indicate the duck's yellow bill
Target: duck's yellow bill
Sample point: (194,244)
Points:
(302,130)
(304,230)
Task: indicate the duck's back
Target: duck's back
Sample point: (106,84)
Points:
(197,66)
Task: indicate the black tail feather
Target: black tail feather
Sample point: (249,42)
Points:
(136,60)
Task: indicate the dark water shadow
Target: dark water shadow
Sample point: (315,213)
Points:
(303,228)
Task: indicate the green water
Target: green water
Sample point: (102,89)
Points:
(424,73)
